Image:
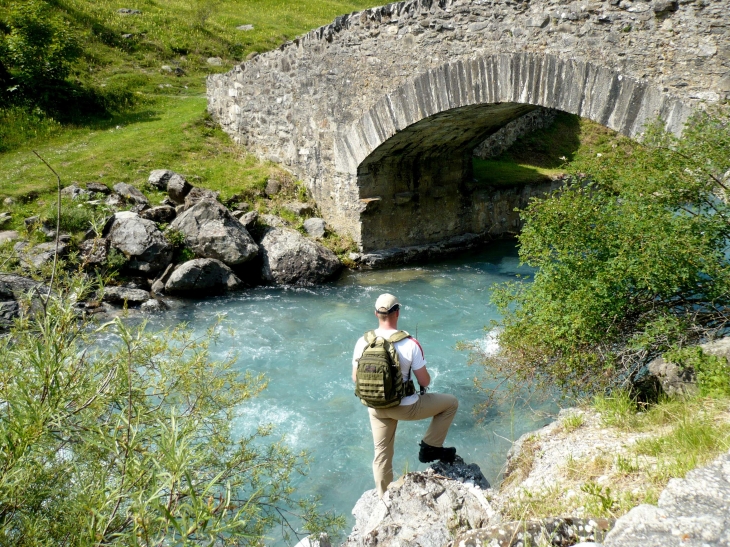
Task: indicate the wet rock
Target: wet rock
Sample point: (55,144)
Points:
(462,472)
(289,258)
(199,194)
(130,193)
(418,509)
(97,187)
(202,276)
(299,208)
(315,227)
(158,285)
(37,256)
(93,252)
(154,305)
(211,232)
(7,236)
(120,295)
(178,188)
(162,213)
(159,178)
(141,242)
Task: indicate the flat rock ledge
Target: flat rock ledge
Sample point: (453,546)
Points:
(691,512)
(445,507)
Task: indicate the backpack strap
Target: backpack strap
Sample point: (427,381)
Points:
(369,336)
(398,336)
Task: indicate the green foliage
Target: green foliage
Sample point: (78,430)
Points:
(77,216)
(617,409)
(119,436)
(712,371)
(601,493)
(36,49)
(115,260)
(629,261)
(175,237)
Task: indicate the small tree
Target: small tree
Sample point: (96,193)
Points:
(113,435)
(630,260)
(36,49)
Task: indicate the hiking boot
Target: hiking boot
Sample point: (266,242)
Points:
(429,453)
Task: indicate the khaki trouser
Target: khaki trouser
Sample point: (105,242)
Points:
(442,407)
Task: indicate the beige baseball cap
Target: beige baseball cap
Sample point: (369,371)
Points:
(386,303)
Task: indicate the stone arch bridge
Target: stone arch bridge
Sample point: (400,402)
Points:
(379,112)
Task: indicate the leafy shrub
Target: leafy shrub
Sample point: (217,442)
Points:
(712,371)
(36,49)
(120,436)
(630,260)
(175,237)
(76,215)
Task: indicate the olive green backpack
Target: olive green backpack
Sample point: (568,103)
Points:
(379,382)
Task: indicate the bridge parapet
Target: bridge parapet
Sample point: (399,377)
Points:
(387,104)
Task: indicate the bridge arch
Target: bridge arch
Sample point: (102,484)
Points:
(377,111)
(411,152)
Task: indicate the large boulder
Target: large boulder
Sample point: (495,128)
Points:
(178,188)
(199,194)
(162,213)
(422,509)
(201,276)
(676,380)
(289,258)
(130,193)
(13,288)
(212,232)
(37,256)
(159,178)
(93,252)
(120,295)
(140,241)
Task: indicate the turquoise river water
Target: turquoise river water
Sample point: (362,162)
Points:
(303,338)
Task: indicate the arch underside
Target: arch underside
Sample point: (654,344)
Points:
(411,153)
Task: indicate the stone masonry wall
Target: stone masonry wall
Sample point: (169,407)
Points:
(334,106)
(508,135)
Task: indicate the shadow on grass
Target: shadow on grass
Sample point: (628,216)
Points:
(505,173)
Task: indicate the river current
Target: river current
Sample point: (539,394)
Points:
(302,339)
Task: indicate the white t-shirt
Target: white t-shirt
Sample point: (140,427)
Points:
(410,355)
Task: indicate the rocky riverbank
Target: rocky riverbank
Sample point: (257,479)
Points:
(569,469)
(188,245)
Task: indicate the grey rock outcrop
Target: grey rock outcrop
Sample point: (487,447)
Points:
(315,227)
(98,188)
(201,276)
(130,193)
(5,218)
(418,509)
(161,213)
(289,258)
(299,208)
(153,305)
(74,191)
(120,295)
(93,252)
(178,188)
(249,219)
(159,178)
(199,194)
(7,236)
(676,380)
(37,256)
(691,512)
(13,290)
(468,473)
(556,532)
(212,232)
(141,242)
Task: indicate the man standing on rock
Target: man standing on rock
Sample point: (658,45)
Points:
(413,406)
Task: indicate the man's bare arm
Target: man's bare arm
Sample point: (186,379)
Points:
(423,377)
